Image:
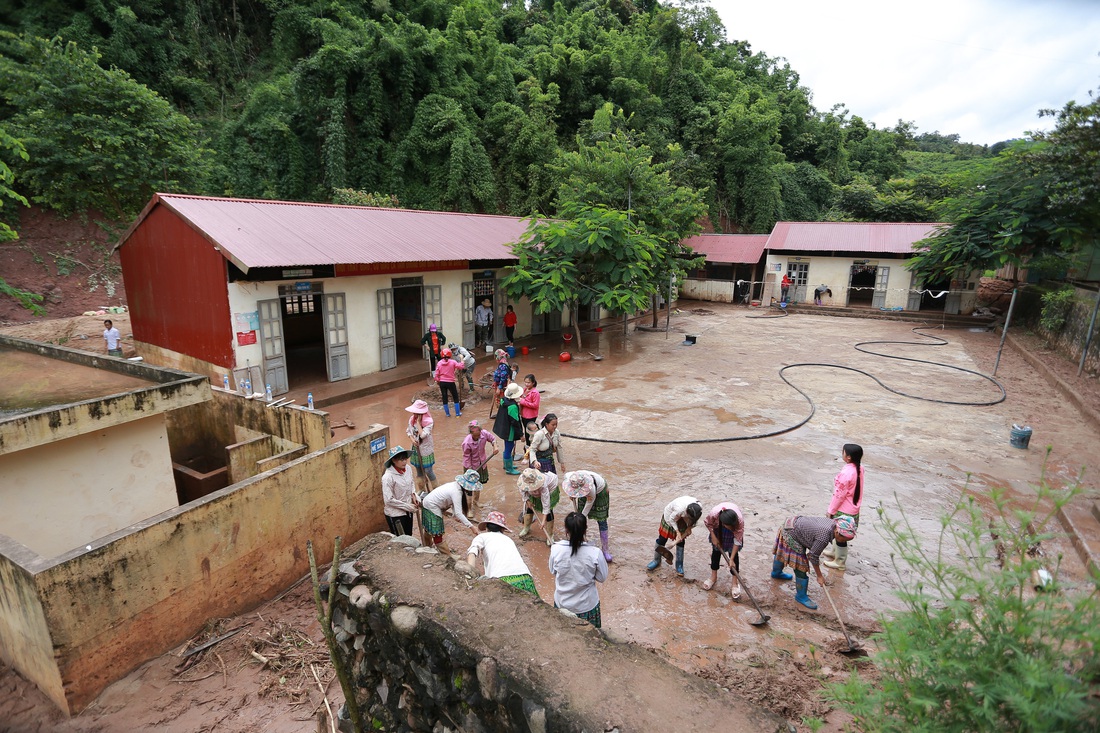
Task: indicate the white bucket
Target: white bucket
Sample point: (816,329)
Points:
(488,348)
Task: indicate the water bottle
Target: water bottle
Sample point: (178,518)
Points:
(309,400)
(225,382)
(267,394)
(247,385)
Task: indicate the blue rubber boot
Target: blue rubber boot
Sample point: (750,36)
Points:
(447,409)
(656,563)
(801,596)
(777,571)
(458,409)
(679,559)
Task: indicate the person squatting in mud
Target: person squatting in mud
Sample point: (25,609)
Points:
(677,520)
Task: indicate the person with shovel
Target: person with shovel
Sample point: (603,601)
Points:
(539,492)
(590,496)
(799,543)
(473,450)
(398,492)
(678,519)
(499,555)
(726,525)
(508,426)
(502,375)
(420,431)
(454,496)
(435,341)
(847,500)
(577,566)
(462,354)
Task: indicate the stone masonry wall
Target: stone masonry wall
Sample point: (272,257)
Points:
(434,649)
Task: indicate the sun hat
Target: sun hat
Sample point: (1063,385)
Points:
(395,452)
(494,518)
(533,426)
(446,352)
(513,391)
(530,477)
(845,527)
(473,424)
(578,484)
(469,481)
(419,407)
(433,327)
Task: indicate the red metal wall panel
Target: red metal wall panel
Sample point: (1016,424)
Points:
(176,289)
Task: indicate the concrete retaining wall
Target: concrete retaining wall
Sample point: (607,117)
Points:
(432,649)
(1070,341)
(78,622)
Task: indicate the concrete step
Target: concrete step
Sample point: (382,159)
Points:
(1081,520)
(934,318)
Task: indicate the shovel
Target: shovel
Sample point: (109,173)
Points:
(346,423)
(852,650)
(763,616)
(665,553)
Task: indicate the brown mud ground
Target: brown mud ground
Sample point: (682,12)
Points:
(649,388)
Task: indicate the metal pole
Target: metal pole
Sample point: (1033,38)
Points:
(668,307)
(1088,336)
(1004,331)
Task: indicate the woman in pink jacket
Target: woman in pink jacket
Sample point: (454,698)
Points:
(529,406)
(445,370)
(847,499)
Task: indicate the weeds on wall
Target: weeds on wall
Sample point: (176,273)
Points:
(1056,306)
(977,646)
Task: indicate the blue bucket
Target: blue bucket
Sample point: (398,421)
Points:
(1020,436)
(511,350)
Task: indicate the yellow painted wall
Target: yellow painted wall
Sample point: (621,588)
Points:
(150,588)
(64,495)
(25,643)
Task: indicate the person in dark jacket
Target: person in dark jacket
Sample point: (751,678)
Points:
(436,342)
(508,425)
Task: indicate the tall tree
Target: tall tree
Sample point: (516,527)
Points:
(594,255)
(96,139)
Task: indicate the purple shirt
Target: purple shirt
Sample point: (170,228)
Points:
(473,452)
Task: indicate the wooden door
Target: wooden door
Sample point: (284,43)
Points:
(273,345)
(336,337)
(387,331)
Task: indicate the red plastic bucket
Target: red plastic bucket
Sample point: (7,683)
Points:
(524,350)
(567,337)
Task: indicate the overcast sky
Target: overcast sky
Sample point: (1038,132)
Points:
(979,68)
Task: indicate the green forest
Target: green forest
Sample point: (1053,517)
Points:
(475,106)
(444,105)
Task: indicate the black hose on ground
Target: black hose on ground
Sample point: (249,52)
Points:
(810,402)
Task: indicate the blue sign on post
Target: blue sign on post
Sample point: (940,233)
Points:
(377,444)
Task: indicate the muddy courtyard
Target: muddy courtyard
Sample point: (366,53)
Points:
(688,416)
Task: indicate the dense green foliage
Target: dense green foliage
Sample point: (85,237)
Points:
(1038,202)
(95,139)
(464,105)
(977,648)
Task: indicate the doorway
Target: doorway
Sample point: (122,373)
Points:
(408,316)
(798,272)
(304,338)
(932,296)
(861,284)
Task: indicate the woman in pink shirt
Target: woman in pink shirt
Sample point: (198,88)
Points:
(445,370)
(847,499)
(529,405)
(726,525)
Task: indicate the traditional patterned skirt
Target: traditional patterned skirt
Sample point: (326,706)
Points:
(536,501)
(433,523)
(422,461)
(483,474)
(667,530)
(788,550)
(593,616)
(599,507)
(853,517)
(546,462)
(523,582)
(725,537)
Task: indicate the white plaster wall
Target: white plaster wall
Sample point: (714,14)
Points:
(834,272)
(720,291)
(61,496)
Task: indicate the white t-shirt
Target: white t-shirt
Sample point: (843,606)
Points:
(576,576)
(113,337)
(499,554)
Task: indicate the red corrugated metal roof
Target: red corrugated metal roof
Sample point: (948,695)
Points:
(254,233)
(731,248)
(827,236)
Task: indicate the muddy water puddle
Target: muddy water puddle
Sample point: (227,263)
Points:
(31,382)
(917,455)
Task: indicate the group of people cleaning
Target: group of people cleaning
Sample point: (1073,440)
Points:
(800,542)
(576,565)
